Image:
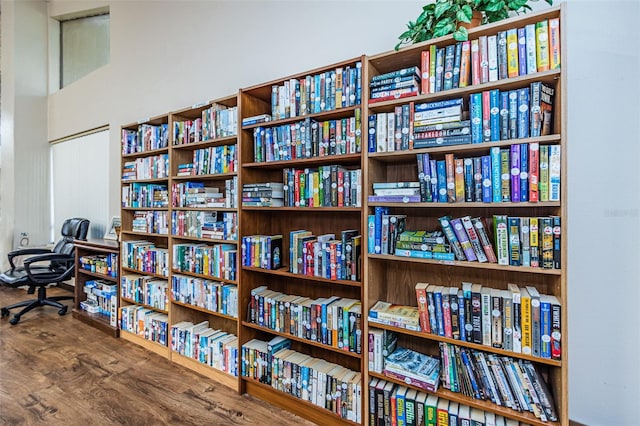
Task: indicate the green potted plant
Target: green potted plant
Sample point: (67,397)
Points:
(454,16)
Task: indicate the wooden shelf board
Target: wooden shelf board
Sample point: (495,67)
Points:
(204,310)
(154,347)
(428,336)
(525,417)
(206,277)
(324,115)
(145,153)
(146,234)
(283,272)
(303,209)
(133,302)
(229,140)
(151,274)
(204,240)
(474,148)
(98,321)
(215,176)
(97,275)
(205,370)
(328,159)
(206,209)
(292,404)
(463,205)
(476,265)
(98,245)
(152,180)
(300,339)
(145,209)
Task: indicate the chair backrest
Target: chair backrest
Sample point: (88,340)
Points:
(72,229)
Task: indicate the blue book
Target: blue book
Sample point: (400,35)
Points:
(437,296)
(545,327)
(515,173)
(427,106)
(371,226)
(475,108)
(371,138)
(487,191)
(461,316)
(523,113)
(442,181)
(504,115)
(496,181)
(468,180)
(358,83)
(513,114)
(434,179)
(426,167)
(522,52)
(379,212)
(524,172)
(494,116)
(317,99)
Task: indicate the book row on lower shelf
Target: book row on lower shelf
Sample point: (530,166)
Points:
(145,323)
(391,403)
(308,139)
(215,261)
(519,319)
(212,160)
(200,194)
(331,321)
(315,380)
(218,121)
(489,116)
(106,264)
(202,293)
(206,345)
(504,381)
(152,167)
(150,222)
(151,291)
(205,224)
(326,186)
(521,173)
(145,195)
(146,137)
(518,241)
(144,256)
(101,299)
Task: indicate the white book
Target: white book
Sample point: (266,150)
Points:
(381,132)
(554,173)
(530,35)
(485,303)
(492,50)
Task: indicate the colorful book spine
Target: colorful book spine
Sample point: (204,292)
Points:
(524,172)
(503,55)
(501,235)
(554,172)
(456,65)
(484,240)
(534,242)
(451,236)
(475,62)
(487,192)
(544,173)
(515,253)
(494,114)
(492,56)
(554,43)
(534,171)
(441,174)
(465,64)
(475,106)
(542,46)
(505,175)
(496,179)
(424,67)
(463,238)
(523,113)
(522,52)
(530,34)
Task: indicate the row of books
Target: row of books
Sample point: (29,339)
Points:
(506,382)
(211,161)
(153,167)
(145,323)
(265,194)
(215,261)
(262,251)
(390,403)
(381,344)
(144,256)
(332,321)
(102,298)
(210,295)
(308,139)
(106,264)
(518,319)
(528,241)
(324,255)
(413,368)
(387,313)
(215,348)
(326,186)
(144,289)
(507,54)
(396,84)
(219,121)
(205,224)
(312,94)
(196,194)
(315,380)
(146,195)
(520,173)
(151,222)
(146,138)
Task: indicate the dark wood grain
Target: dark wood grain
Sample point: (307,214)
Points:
(58,370)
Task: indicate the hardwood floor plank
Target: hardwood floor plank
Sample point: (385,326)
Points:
(57,370)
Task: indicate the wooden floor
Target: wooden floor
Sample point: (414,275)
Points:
(57,370)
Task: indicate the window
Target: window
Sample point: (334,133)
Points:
(84,46)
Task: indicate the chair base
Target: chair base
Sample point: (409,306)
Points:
(29,305)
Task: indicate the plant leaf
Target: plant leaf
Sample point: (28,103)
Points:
(461,35)
(550,2)
(441,8)
(443,27)
(461,16)
(468,11)
(423,17)
(495,6)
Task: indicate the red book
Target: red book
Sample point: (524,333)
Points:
(424,68)
(486,116)
(421,297)
(340,188)
(475,62)
(534,171)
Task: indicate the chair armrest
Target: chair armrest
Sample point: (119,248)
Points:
(25,252)
(49,276)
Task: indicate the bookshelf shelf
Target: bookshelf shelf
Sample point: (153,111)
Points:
(133,209)
(135,271)
(324,115)
(207,277)
(217,176)
(300,339)
(144,154)
(229,140)
(428,336)
(219,376)
(102,252)
(155,180)
(290,403)
(149,345)
(206,311)
(466,205)
(203,240)
(133,302)
(475,403)
(145,234)
(314,161)
(302,209)
(284,272)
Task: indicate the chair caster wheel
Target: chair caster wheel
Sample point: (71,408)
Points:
(14,320)
(62,311)
(4,312)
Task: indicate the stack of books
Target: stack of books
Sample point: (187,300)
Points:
(413,368)
(394,85)
(268,194)
(440,123)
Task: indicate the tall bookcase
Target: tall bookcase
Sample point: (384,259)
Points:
(393,278)
(204,222)
(325,217)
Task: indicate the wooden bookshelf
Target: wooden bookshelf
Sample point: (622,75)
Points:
(405,273)
(319,220)
(105,251)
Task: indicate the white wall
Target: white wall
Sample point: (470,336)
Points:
(168,55)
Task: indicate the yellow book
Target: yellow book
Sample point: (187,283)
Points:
(534,242)
(542,46)
(512,53)
(339,87)
(315,181)
(459,179)
(525,309)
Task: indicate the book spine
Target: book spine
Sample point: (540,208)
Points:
(474,239)
(503,55)
(449,61)
(477,179)
(494,114)
(545,328)
(424,66)
(544,173)
(502,239)
(557,238)
(515,253)
(496,178)
(512,53)
(475,62)
(534,173)
(504,115)
(530,35)
(542,46)
(505,169)
(451,237)
(492,56)
(556,331)
(554,43)
(513,114)
(554,172)
(522,52)
(486,116)
(465,64)
(463,238)
(524,172)
(525,241)
(476,117)
(484,59)
(484,240)
(523,113)
(515,173)
(456,65)
(487,191)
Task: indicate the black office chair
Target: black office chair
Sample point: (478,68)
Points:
(44,267)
